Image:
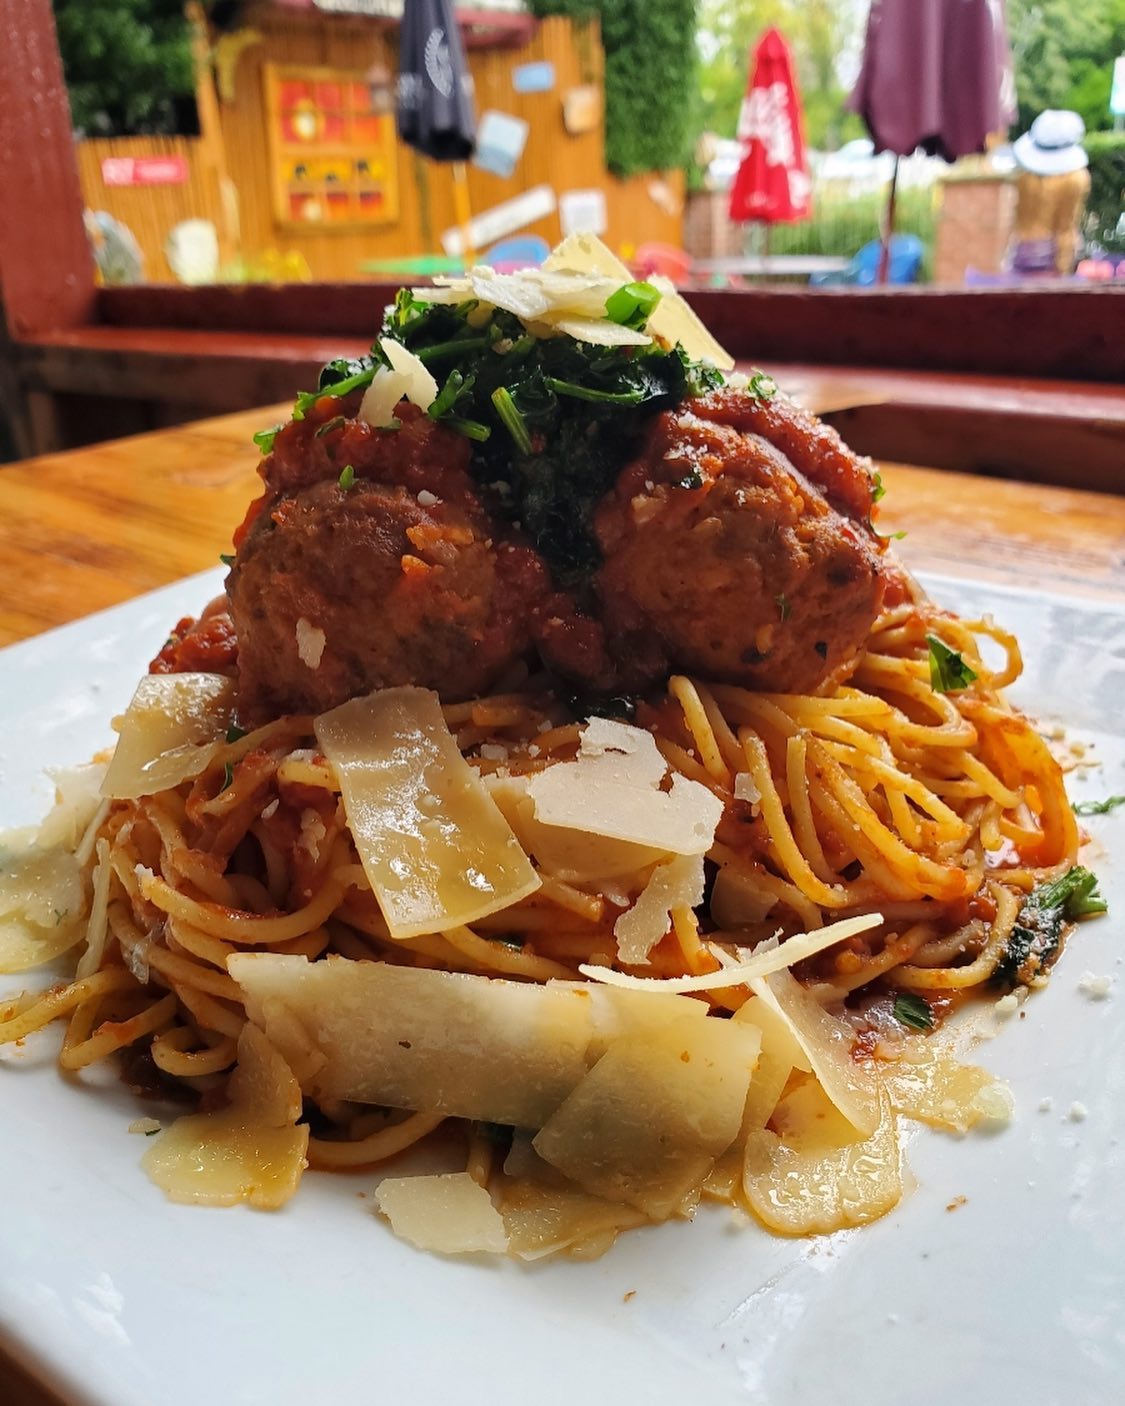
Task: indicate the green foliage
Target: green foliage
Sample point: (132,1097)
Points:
(1106,151)
(127,64)
(841,224)
(650,74)
(817,31)
(1064,56)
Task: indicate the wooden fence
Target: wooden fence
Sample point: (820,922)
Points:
(642,209)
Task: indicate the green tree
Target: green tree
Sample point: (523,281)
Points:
(1064,55)
(650,67)
(819,33)
(127,64)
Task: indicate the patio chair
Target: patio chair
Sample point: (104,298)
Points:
(904,266)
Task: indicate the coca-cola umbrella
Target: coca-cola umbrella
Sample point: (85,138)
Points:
(772,184)
(434,111)
(936,76)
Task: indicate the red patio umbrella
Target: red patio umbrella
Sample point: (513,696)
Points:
(772,184)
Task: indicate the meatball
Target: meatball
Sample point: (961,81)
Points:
(723,558)
(337,591)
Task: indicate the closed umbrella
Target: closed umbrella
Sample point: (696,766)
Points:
(772,184)
(936,75)
(434,110)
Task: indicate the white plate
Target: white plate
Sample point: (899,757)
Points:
(119,1298)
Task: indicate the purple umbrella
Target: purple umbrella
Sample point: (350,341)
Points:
(937,74)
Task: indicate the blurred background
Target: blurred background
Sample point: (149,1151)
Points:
(257,142)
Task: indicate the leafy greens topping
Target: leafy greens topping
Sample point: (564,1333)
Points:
(1102,807)
(1036,935)
(913,1011)
(948,671)
(551,420)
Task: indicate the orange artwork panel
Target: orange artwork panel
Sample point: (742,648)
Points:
(333,161)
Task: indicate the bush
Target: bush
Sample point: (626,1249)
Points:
(1106,151)
(842,223)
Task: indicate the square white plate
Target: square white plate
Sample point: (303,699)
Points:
(119,1298)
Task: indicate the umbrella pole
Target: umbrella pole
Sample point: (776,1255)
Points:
(888,228)
(463,212)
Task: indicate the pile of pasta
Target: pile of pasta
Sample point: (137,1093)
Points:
(602,968)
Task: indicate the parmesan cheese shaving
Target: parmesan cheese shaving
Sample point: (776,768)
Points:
(435,848)
(250,1151)
(793,949)
(646,1123)
(612,789)
(406,378)
(448,1213)
(677,884)
(827,1044)
(169,733)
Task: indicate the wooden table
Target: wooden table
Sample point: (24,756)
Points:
(94,527)
(88,529)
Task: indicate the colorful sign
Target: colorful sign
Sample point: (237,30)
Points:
(333,151)
(144,170)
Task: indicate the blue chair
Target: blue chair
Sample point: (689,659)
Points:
(522,251)
(904,266)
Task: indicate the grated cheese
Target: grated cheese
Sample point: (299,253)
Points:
(311,640)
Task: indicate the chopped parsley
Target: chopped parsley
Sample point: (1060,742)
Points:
(264,438)
(914,1011)
(347,477)
(227,558)
(228,776)
(783,608)
(1036,935)
(1098,807)
(235,733)
(877,489)
(948,671)
(763,386)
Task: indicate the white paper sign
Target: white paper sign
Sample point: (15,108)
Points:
(583,212)
(491,225)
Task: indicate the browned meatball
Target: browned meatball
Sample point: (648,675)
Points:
(336,591)
(751,577)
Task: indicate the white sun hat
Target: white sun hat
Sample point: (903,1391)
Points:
(1053,146)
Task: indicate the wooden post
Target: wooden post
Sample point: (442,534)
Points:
(211,146)
(46,273)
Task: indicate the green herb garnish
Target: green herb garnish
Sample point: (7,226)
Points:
(511,418)
(914,1011)
(264,438)
(948,671)
(347,477)
(782,607)
(877,489)
(1098,807)
(592,394)
(235,733)
(763,386)
(228,776)
(227,558)
(1036,935)
(632,305)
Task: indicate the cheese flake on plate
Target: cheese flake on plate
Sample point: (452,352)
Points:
(447,1213)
